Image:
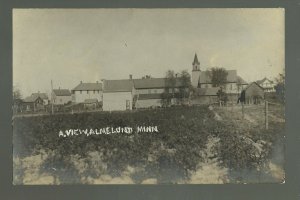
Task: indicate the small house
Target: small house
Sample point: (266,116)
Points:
(253,94)
(85,91)
(43,96)
(91,104)
(61,96)
(33,103)
(267,85)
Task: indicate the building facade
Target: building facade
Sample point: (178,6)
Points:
(61,96)
(118,95)
(85,91)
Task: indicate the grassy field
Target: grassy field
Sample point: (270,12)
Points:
(198,144)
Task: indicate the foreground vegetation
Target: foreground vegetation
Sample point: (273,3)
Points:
(170,156)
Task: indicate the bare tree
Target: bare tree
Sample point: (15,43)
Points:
(218,76)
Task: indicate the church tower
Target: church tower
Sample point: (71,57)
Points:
(195,72)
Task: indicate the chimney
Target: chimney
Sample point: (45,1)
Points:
(130,76)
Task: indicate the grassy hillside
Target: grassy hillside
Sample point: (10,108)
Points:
(172,155)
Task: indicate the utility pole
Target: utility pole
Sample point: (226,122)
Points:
(52,98)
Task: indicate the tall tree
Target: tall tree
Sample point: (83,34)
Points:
(185,79)
(16,93)
(218,76)
(280,86)
(169,89)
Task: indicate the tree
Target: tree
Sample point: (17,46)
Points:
(280,86)
(185,79)
(218,76)
(170,86)
(16,93)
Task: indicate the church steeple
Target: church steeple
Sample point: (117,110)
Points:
(196,64)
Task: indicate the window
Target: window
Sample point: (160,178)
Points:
(231,86)
(94,91)
(87,91)
(80,92)
(127,105)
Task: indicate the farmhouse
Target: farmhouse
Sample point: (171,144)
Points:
(61,96)
(85,91)
(267,84)
(150,92)
(254,93)
(203,79)
(118,94)
(33,103)
(43,96)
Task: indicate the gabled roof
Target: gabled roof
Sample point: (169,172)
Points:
(125,85)
(196,60)
(241,81)
(31,99)
(88,86)
(62,92)
(252,84)
(42,95)
(148,83)
(207,91)
(263,80)
(205,76)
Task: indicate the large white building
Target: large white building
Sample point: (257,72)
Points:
(118,94)
(85,91)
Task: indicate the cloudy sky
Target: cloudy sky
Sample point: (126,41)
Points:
(70,45)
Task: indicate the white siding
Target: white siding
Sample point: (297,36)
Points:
(195,78)
(116,101)
(79,97)
(60,100)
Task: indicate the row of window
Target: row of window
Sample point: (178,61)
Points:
(94,91)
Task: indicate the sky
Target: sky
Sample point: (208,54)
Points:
(72,45)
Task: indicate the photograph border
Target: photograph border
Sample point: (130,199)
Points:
(289,190)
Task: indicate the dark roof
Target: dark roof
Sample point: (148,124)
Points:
(88,86)
(241,81)
(207,91)
(62,92)
(42,95)
(252,84)
(155,83)
(205,76)
(196,60)
(118,85)
(263,80)
(31,99)
(158,96)
(90,101)
(149,96)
